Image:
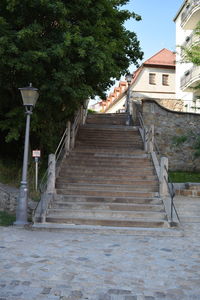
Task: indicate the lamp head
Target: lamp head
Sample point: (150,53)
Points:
(129,78)
(29,95)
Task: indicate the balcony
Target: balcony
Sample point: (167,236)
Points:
(191,79)
(190,40)
(191,15)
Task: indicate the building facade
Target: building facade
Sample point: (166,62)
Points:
(187,74)
(154,79)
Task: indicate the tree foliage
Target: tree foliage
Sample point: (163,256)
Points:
(68,49)
(192,53)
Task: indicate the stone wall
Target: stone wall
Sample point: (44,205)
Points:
(172,104)
(176,134)
(8,199)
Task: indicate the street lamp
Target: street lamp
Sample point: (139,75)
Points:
(29,96)
(128,79)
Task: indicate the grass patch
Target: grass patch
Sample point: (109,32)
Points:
(6,219)
(11,172)
(180,176)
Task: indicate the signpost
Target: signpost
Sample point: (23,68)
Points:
(36,154)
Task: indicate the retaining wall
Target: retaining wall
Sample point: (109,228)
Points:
(176,133)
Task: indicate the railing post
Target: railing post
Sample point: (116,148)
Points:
(51,174)
(81,115)
(146,138)
(151,139)
(133,111)
(67,141)
(72,137)
(163,176)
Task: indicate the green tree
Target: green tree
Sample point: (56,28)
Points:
(192,53)
(68,49)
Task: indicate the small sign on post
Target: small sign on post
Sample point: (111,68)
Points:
(36,154)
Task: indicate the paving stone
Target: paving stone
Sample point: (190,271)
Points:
(119,292)
(104,297)
(77,268)
(46,290)
(130,298)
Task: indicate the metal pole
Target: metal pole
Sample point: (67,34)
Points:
(21,212)
(36,173)
(128,105)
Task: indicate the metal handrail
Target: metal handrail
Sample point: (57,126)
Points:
(61,146)
(146,138)
(61,143)
(172,194)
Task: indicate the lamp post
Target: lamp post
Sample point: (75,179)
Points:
(29,96)
(128,79)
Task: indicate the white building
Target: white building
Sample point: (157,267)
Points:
(154,79)
(187,75)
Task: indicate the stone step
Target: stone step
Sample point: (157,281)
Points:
(107,151)
(106,214)
(103,193)
(138,154)
(108,230)
(123,149)
(107,173)
(106,127)
(113,167)
(107,187)
(74,171)
(108,206)
(103,119)
(103,180)
(107,222)
(108,140)
(103,144)
(106,159)
(110,200)
(108,133)
(106,121)
(108,164)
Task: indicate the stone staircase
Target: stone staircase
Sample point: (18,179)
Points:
(108,179)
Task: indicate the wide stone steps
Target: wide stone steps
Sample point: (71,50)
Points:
(101,199)
(106,151)
(108,179)
(107,206)
(110,165)
(107,173)
(103,180)
(107,187)
(107,214)
(110,193)
(139,223)
(109,146)
(110,119)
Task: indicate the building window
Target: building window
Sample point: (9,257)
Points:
(152,78)
(165,79)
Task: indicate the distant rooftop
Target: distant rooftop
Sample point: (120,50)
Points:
(164,57)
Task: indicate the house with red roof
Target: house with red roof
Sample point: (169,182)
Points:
(154,79)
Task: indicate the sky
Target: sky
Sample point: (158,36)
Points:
(157,29)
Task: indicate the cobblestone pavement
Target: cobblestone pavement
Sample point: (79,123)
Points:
(40,265)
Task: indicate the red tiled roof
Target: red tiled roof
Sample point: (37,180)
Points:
(164,57)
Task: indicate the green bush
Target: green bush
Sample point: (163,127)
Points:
(6,219)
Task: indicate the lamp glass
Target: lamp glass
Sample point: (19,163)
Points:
(128,78)
(29,96)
